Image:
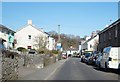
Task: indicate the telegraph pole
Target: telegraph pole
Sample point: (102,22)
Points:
(59,42)
(59,33)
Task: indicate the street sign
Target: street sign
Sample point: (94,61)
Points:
(59,46)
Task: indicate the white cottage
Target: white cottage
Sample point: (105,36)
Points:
(25,37)
(91,44)
(51,43)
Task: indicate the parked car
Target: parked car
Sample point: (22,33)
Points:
(111,58)
(69,55)
(98,60)
(93,58)
(82,58)
(87,56)
(64,55)
(32,51)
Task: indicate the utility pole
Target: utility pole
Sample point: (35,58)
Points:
(59,42)
(59,34)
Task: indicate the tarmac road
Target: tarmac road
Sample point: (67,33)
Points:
(73,69)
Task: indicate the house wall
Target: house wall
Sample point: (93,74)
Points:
(91,45)
(118,33)
(110,37)
(22,36)
(7,35)
(51,44)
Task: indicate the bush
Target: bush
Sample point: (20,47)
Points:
(54,51)
(22,49)
(41,52)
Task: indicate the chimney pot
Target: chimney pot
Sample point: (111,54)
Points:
(29,22)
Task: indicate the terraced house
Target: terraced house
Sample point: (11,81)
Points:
(110,36)
(6,37)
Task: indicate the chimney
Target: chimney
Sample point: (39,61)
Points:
(29,22)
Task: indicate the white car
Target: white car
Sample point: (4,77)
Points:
(111,58)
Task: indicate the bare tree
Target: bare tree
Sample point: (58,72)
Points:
(95,44)
(41,42)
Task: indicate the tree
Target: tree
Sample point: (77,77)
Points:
(67,40)
(41,42)
(95,44)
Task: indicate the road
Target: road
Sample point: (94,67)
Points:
(73,69)
(69,69)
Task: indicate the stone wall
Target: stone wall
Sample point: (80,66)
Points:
(49,60)
(34,61)
(9,66)
(0,66)
(38,61)
(11,62)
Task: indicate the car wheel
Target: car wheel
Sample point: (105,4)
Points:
(106,69)
(99,66)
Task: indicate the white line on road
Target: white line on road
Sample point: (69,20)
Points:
(54,71)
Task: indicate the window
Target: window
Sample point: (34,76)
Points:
(90,46)
(109,35)
(29,36)
(104,37)
(13,33)
(29,47)
(8,32)
(10,38)
(116,31)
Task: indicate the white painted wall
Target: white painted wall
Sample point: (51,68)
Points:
(4,35)
(22,36)
(23,40)
(51,44)
(92,43)
(89,45)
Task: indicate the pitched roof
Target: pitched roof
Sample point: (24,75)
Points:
(110,26)
(2,26)
(33,27)
(91,38)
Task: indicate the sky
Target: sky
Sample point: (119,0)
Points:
(77,18)
(60,0)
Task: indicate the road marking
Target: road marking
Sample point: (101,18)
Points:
(53,71)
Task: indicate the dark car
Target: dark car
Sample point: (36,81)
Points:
(32,51)
(69,55)
(82,58)
(87,56)
(93,58)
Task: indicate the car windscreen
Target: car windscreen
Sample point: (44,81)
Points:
(87,55)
